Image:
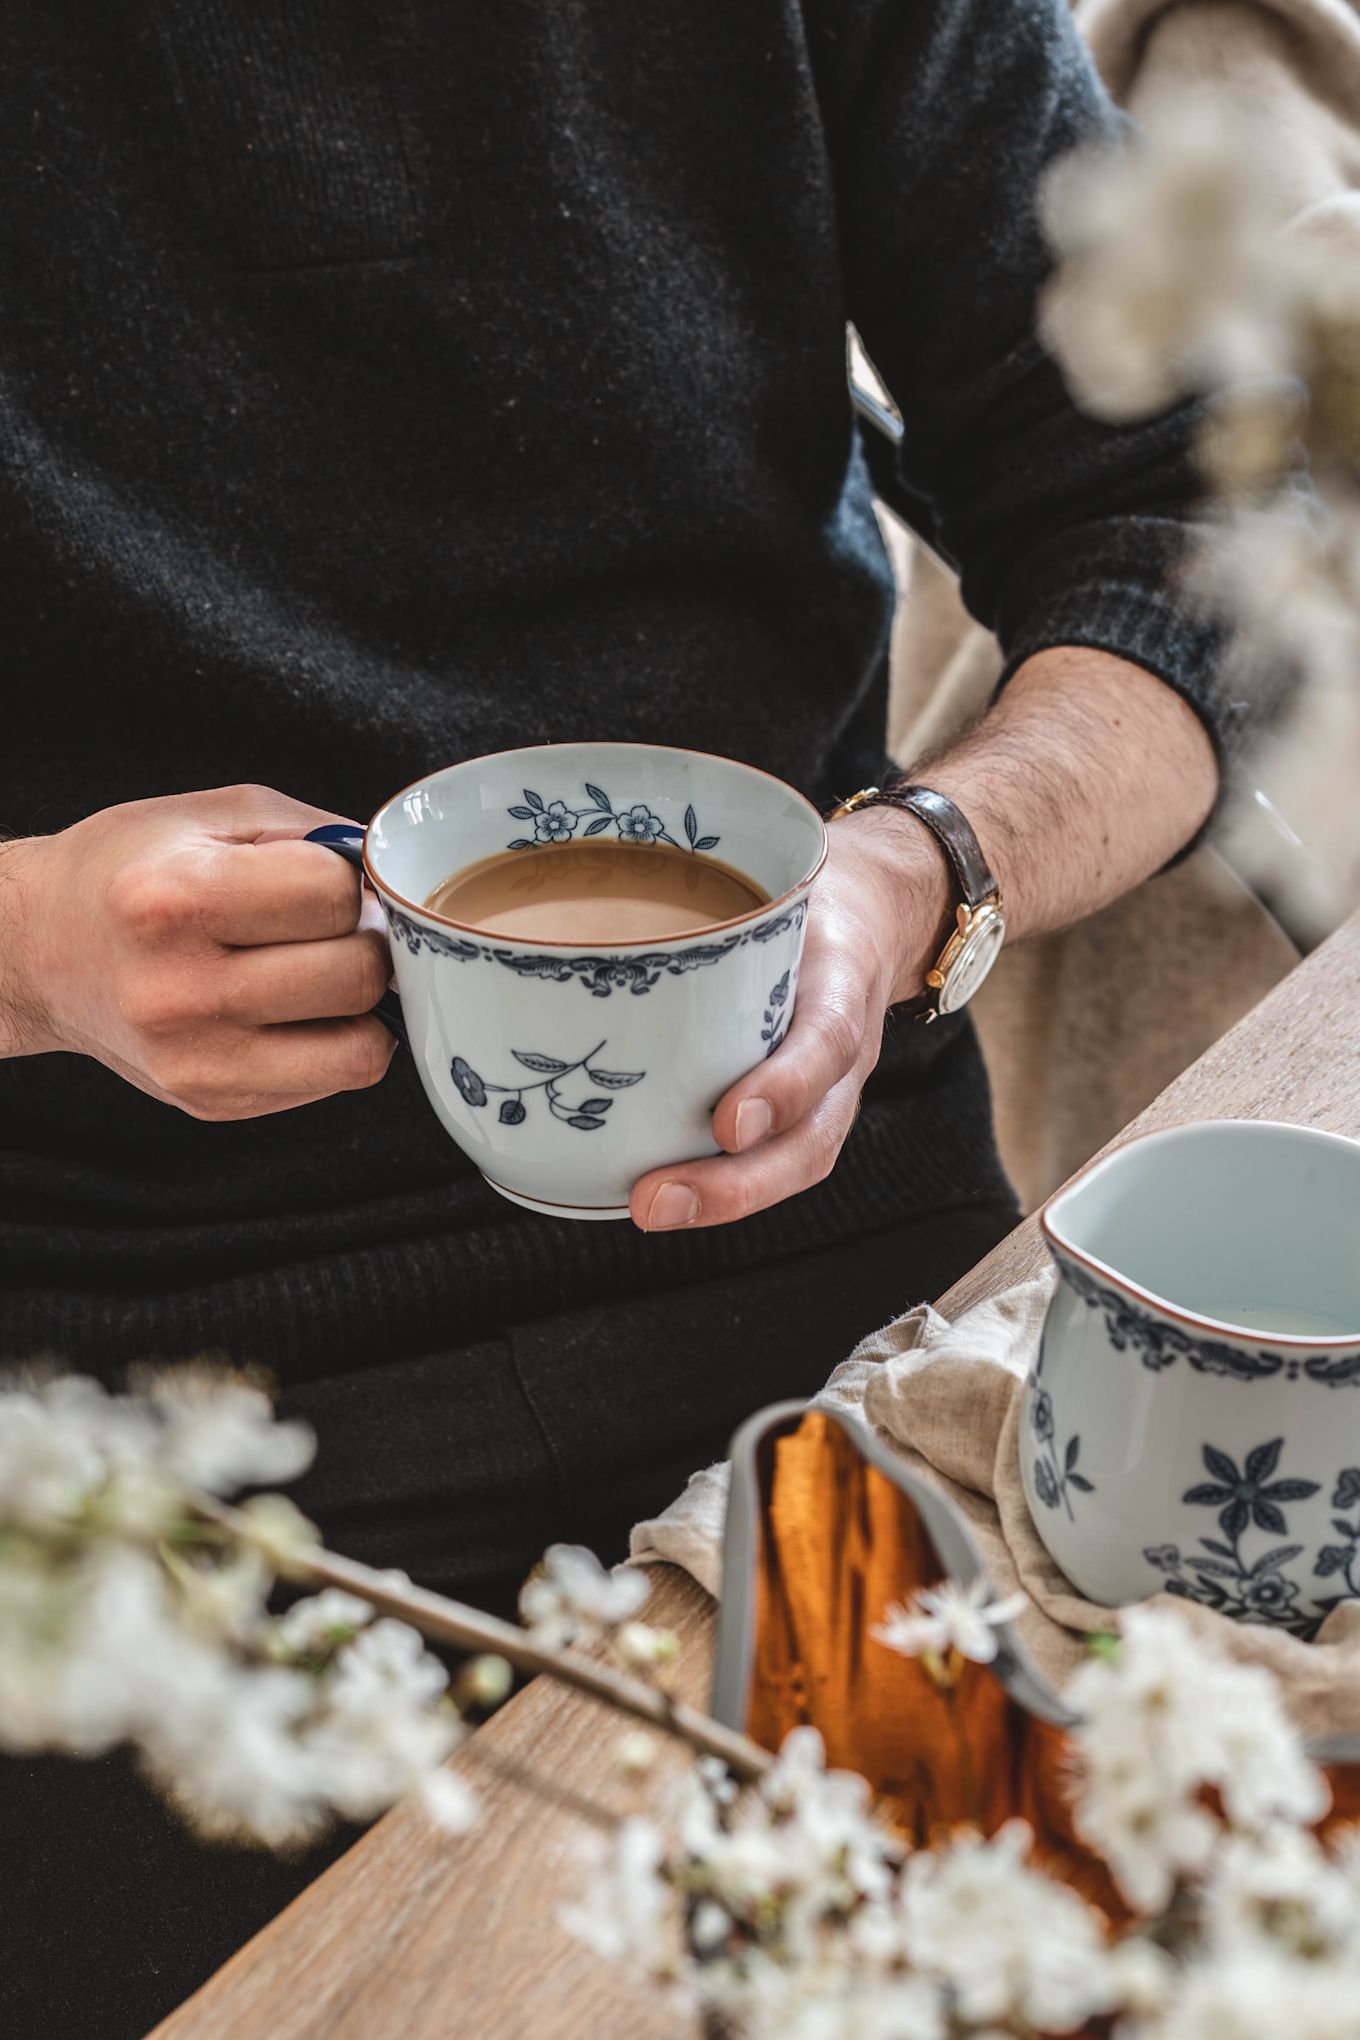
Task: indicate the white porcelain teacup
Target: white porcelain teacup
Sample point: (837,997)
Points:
(567,1071)
(1193,1420)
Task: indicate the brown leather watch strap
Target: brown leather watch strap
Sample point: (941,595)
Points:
(952,832)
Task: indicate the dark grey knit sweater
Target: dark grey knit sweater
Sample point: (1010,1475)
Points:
(390,381)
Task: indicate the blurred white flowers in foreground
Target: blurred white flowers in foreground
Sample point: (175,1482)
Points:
(795,1909)
(1184,270)
(135,1609)
(571,1599)
(1159,1724)
(128,1616)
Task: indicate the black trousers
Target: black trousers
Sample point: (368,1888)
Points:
(458,1466)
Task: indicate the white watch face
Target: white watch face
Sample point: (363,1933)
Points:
(979,952)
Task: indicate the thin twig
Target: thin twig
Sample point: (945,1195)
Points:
(467,1628)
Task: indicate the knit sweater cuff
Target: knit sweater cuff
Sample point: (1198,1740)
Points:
(1150,628)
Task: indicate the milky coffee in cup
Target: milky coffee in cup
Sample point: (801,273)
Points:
(595,892)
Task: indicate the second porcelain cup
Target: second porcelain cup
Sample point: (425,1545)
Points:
(567,1071)
(1193,1420)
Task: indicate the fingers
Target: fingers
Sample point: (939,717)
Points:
(289,891)
(269,1069)
(786,1121)
(306,980)
(730,1187)
(832,1033)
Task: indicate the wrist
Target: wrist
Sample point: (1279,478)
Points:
(912,878)
(24,1028)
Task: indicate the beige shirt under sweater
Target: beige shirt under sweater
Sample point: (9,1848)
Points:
(1081,1030)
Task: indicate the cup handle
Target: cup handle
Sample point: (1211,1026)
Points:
(347,841)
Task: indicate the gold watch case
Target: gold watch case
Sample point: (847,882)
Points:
(972,949)
(967,957)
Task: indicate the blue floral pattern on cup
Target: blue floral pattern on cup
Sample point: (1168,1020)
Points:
(636,971)
(1055,1473)
(586,1117)
(555,822)
(1159,1344)
(1248,1586)
(776,1016)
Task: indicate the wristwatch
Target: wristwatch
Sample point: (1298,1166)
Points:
(975,942)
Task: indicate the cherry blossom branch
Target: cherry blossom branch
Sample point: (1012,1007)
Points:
(452,1622)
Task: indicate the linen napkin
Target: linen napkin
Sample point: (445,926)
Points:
(946,1398)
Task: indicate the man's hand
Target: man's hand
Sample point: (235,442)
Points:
(878,917)
(195,946)
(1083,779)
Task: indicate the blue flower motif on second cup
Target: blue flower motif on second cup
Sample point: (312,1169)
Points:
(1222,1574)
(1339,1561)
(1046,1487)
(1056,1475)
(1041,1415)
(1244,1497)
(586,1116)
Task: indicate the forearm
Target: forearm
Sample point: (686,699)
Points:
(1081,781)
(21,1022)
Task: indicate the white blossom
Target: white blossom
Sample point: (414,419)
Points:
(949,1617)
(572,1598)
(1172,277)
(1010,1943)
(68,1451)
(220,1433)
(448,1803)
(127,1618)
(230,1753)
(377,1731)
(318,1622)
(1281,1886)
(1161,1719)
(1259,1995)
(833,2006)
(626,1913)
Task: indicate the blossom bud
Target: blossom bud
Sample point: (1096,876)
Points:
(485,1682)
(281,1532)
(643,1649)
(636,1753)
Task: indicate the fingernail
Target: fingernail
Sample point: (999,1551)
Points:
(755,1122)
(674,1204)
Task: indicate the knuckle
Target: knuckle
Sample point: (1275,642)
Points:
(155,1009)
(840,1035)
(184,1077)
(375,967)
(824,1158)
(368,1053)
(255,798)
(337,897)
(161,1004)
(150,901)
